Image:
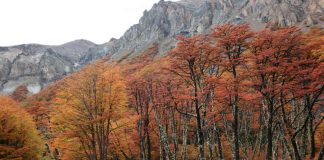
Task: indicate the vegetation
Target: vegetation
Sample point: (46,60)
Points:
(230,94)
(89,113)
(19,138)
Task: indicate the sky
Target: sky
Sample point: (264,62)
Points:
(55,22)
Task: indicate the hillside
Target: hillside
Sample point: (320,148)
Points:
(194,79)
(173,101)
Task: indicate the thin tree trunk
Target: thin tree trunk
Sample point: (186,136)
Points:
(269,132)
(142,143)
(148,140)
(311,137)
(199,129)
(295,147)
(184,138)
(146,130)
(163,136)
(304,146)
(235,115)
(209,143)
(174,133)
(219,142)
(200,137)
(291,155)
(283,150)
(236,134)
(161,149)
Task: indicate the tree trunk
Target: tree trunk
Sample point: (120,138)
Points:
(236,134)
(184,138)
(295,147)
(142,143)
(269,132)
(146,130)
(304,140)
(199,127)
(235,115)
(288,148)
(163,135)
(161,149)
(219,142)
(209,143)
(283,150)
(311,137)
(200,137)
(148,140)
(174,133)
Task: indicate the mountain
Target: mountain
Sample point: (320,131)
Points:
(39,65)
(188,17)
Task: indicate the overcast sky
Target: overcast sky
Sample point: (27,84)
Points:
(59,21)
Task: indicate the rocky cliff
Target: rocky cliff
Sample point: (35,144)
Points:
(38,65)
(188,17)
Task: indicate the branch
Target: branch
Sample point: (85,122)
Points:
(318,124)
(187,114)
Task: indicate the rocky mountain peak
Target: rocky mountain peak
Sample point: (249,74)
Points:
(36,65)
(39,65)
(167,19)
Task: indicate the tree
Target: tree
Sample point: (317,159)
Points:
(20,93)
(89,110)
(231,42)
(19,138)
(310,82)
(285,71)
(135,70)
(191,60)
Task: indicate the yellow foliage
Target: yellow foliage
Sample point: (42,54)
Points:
(19,138)
(89,107)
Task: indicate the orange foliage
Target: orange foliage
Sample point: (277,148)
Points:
(20,93)
(95,105)
(19,138)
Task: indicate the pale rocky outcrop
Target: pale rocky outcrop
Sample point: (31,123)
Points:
(38,65)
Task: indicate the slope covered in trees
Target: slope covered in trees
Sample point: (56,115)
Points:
(19,138)
(233,93)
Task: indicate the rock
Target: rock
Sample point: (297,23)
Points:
(167,19)
(37,65)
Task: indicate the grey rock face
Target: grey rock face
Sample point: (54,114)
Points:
(167,19)
(38,65)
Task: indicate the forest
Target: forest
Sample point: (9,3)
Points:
(233,93)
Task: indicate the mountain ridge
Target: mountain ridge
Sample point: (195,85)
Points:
(39,65)
(167,19)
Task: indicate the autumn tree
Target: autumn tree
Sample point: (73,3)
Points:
(138,99)
(191,60)
(231,42)
(20,93)
(19,138)
(285,70)
(310,84)
(90,108)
